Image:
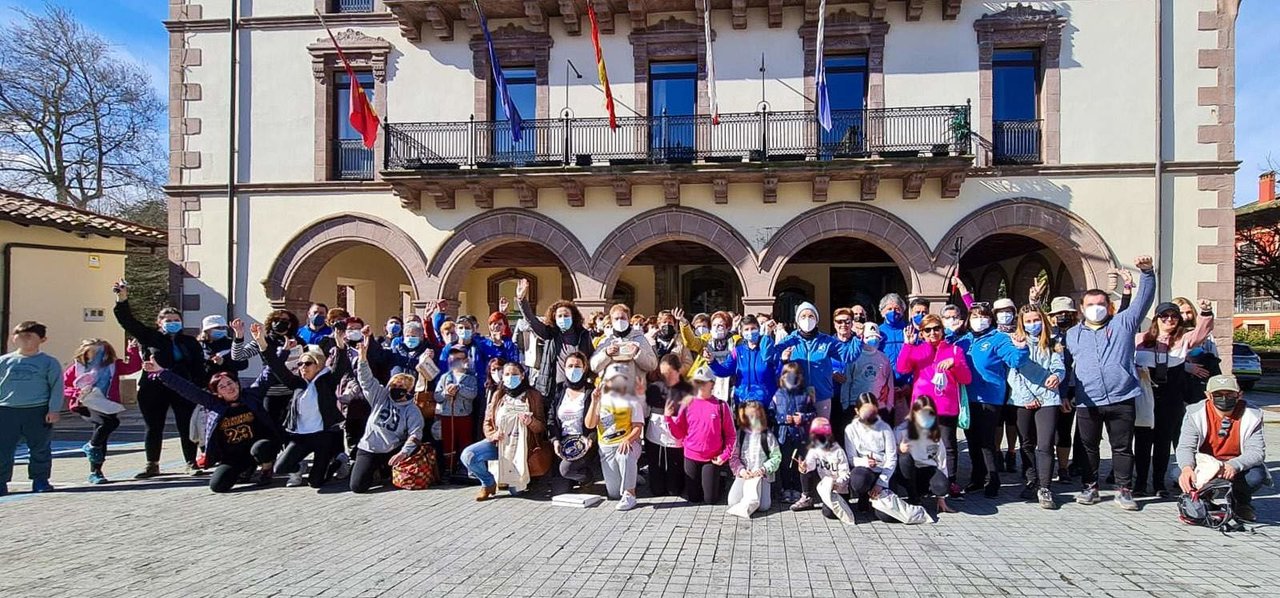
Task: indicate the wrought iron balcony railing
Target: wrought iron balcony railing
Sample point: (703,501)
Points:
(1016,141)
(881,133)
(352,161)
(352,5)
(1261,304)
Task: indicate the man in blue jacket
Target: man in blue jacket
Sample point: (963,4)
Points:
(816,352)
(1106,385)
(755,377)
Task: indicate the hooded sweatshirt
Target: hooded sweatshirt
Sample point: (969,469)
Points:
(991,354)
(818,353)
(391,423)
(705,426)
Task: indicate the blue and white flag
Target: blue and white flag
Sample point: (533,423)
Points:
(824,102)
(499,81)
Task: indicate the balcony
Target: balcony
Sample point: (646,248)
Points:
(440,158)
(349,6)
(352,161)
(1257,304)
(1016,141)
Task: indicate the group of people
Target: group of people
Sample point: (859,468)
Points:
(702,407)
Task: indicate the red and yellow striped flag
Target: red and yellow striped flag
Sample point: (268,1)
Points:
(604,74)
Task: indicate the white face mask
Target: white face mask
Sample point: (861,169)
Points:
(719,332)
(355,336)
(1004,318)
(1095,313)
(621,325)
(952,324)
(979,324)
(807,324)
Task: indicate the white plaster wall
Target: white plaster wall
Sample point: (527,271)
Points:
(212,109)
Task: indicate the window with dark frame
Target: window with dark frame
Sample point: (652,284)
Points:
(673,109)
(1016,125)
(522,86)
(346,6)
(847,92)
(351,159)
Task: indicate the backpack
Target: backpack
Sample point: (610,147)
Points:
(417,472)
(1210,507)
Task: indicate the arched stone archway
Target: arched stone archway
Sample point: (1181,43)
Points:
(476,236)
(884,230)
(294,271)
(677,224)
(1083,251)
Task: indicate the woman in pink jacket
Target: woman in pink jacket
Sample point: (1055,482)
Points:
(705,425)
(96,368)
(940,370)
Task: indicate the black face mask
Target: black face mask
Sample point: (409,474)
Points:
(280,326)
(666,332)
(398,394)
(1064,322)
(860,318)
(1225,404)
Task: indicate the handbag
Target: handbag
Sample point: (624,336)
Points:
(418,471)
(538,460)
(962,421)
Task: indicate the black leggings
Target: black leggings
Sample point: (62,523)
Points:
(1036,428)
(666,469)
(155,401)
(701,480)
(911,481)
(277,406)
(324,445)
(948,425)
(1117,418)
(366,463)
(358,412)
(1151,446)
(242,461)
(985,421)
(788,476)
(103,425)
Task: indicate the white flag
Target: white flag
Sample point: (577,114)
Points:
(711,63)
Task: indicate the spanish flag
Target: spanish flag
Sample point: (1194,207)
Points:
(604,74)
(364,119)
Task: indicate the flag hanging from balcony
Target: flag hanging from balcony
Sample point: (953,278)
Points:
(500,81)
(604,74)
(820,71)
(363,118)
(711,63)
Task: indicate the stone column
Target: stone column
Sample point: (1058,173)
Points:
(758,305)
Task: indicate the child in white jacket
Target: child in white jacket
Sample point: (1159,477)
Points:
(756,457)
(873,449)
(824,474)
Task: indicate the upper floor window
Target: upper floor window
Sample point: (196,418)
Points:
(352,160)
(351,5)
(847,92)
(1015,77)
(673,106)
(522,85)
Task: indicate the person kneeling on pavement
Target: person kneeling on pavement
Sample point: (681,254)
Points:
(1223,433)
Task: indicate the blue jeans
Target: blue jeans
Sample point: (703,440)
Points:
(476,459)
(1249,481)
(27,423)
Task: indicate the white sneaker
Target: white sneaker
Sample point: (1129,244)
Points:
(295,480)
(626,503)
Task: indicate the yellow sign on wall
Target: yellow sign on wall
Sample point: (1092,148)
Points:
(95,261)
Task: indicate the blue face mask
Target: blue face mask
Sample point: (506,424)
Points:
(412,341)
(573,374)
(217,334)
(511,381)
(892,318)
(394,330)
(926,421)
(173,326)
(564,322)
(917,319)
(465,334)
(872,342)
(317,321)
(1034,328)
(752,336)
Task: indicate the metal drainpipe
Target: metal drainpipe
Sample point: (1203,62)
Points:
(232,163)
(1159,215)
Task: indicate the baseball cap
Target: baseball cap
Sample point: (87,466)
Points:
(616,369)
(820,425)
(1222,382)
(213,322)
(704,374)
(1005,303)
(870,329)
(1167,307)
(1061,304)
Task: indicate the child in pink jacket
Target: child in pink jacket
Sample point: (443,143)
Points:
(96,368)
(940,370)
(705,425)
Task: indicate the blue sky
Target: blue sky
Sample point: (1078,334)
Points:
(135,27)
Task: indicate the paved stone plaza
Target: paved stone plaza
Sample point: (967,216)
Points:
(172,537)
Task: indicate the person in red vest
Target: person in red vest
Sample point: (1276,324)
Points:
(1225,432)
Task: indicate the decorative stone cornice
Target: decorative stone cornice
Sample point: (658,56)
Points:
(361,51)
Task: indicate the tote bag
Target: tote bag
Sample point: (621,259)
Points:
(963,420)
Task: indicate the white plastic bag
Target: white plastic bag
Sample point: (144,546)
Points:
(893,506)
(835,502)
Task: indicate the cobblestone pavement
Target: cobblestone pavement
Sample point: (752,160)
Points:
(171,537)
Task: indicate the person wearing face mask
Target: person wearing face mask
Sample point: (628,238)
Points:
(617,415)
(1107,386)
(402,357)
(663,451)
(953,324)
(872,451)
(1222,438)
(625,345)
(571,439)
(215,341)
(849,340)
(892,328)
(316,326)
(1005,315)
(666,339)
(923,463)
(313,422)
(1203,361)
(1062,316)
(705,425)
(598,326)
(490,385)
(755,459)
(817,353)
(281,328)
(871,373)
(940,370)
(701,323)
(747,362)
(1034,395)
(859,315)
(394,329)
(95,366)
(990,356)
(514,432)
(824,474)
(1161,354)
(498,343)
(792,414)
(455,396)
(562,332)
(180,354)
(918,307)
(394,429)
(715,343)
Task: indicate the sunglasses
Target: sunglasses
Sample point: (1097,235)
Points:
(843,321)
(307,364)
(931,329)
(1170,316)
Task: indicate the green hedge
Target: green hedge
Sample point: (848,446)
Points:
(1258,340)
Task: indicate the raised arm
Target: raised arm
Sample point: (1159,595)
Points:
(185,389)
(124,315)
(1131,318)
(1204,326)
(271,357)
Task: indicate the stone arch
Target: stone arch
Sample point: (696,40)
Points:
(989,282)
(1082,250)
(676,223)
(1024,276)
(874,225)
(295,269)
(477,235)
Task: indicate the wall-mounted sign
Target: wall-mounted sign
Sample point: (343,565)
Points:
(95,261)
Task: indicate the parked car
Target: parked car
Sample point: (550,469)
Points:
(1246,366)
